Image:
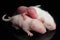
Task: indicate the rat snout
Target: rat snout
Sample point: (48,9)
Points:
(50,26)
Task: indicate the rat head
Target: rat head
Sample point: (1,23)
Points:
(50,26)
(21,9)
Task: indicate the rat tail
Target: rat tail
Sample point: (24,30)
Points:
(3,18)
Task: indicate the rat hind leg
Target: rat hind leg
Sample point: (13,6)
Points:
(28,32)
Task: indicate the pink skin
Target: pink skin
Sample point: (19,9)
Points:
(27,11)
(27,24)
(38,26)
(31,12)
(35,25)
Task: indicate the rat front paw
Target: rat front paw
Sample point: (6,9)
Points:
(30,34)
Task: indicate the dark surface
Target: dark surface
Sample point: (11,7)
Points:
(9,33)
(9,7)
(36,36)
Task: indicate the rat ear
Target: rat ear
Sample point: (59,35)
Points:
(38,6)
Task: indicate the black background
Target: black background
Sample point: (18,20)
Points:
(9,7)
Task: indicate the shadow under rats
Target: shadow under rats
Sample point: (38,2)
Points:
(21,35)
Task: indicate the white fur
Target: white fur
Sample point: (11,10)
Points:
(48,19)
(17,20)
(27,24)
(33,24)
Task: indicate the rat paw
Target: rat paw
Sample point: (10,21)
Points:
(30,34)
